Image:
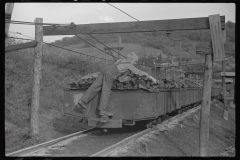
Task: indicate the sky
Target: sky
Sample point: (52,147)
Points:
(86,13)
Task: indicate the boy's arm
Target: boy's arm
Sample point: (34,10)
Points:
(137,71)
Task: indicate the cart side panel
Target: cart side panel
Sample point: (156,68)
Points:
(177,99)
(195,95)
(124,104)
(135,105)
(181,98)
(172,99)
(161,103)
(168,100)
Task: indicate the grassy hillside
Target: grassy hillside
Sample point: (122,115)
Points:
(60,68)
(57,72)
(152,44)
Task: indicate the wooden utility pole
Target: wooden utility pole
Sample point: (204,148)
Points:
(206,102)
(8,15)
(216,50)
(34,113)
(225,106)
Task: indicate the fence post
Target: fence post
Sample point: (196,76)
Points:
(225,106)
(206,102)
(34,113)
(8,15)
(165,71)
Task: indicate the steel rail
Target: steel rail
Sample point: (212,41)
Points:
(105,152)
(38,147)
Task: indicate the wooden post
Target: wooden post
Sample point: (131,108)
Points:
(34,117)
(206,102)
(165,71)
(119,43)
(217,50)
(180,54)
(159,61)
(225,106)
(8,13)
(205,109)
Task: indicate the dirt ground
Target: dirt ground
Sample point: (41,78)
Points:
(50,128)
(182,139)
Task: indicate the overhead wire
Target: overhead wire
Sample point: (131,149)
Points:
(25,35)
(50,42)
(64,48)
(114,12)
(78,52)
(142,23)
(79,38)
(92,45)
(107,46)
(104,10)
(101,42)
(32,23)
(146,25)
(74,25)
(122,11)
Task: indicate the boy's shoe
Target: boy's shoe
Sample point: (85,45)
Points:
(79,109)
(104,119)
(82,104)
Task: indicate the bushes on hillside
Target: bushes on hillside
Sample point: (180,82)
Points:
(81,66)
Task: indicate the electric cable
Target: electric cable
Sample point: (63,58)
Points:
(92,45)
(146,25)
(107,46)
(64,48)
(32,23)
(73,25)
(75,35)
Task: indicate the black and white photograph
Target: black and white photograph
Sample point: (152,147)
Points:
(118,79)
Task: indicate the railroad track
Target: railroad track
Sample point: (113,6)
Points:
(107,151)
(40,149)
(29,150)
(64,146)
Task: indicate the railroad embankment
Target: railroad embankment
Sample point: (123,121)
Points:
(182,138)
